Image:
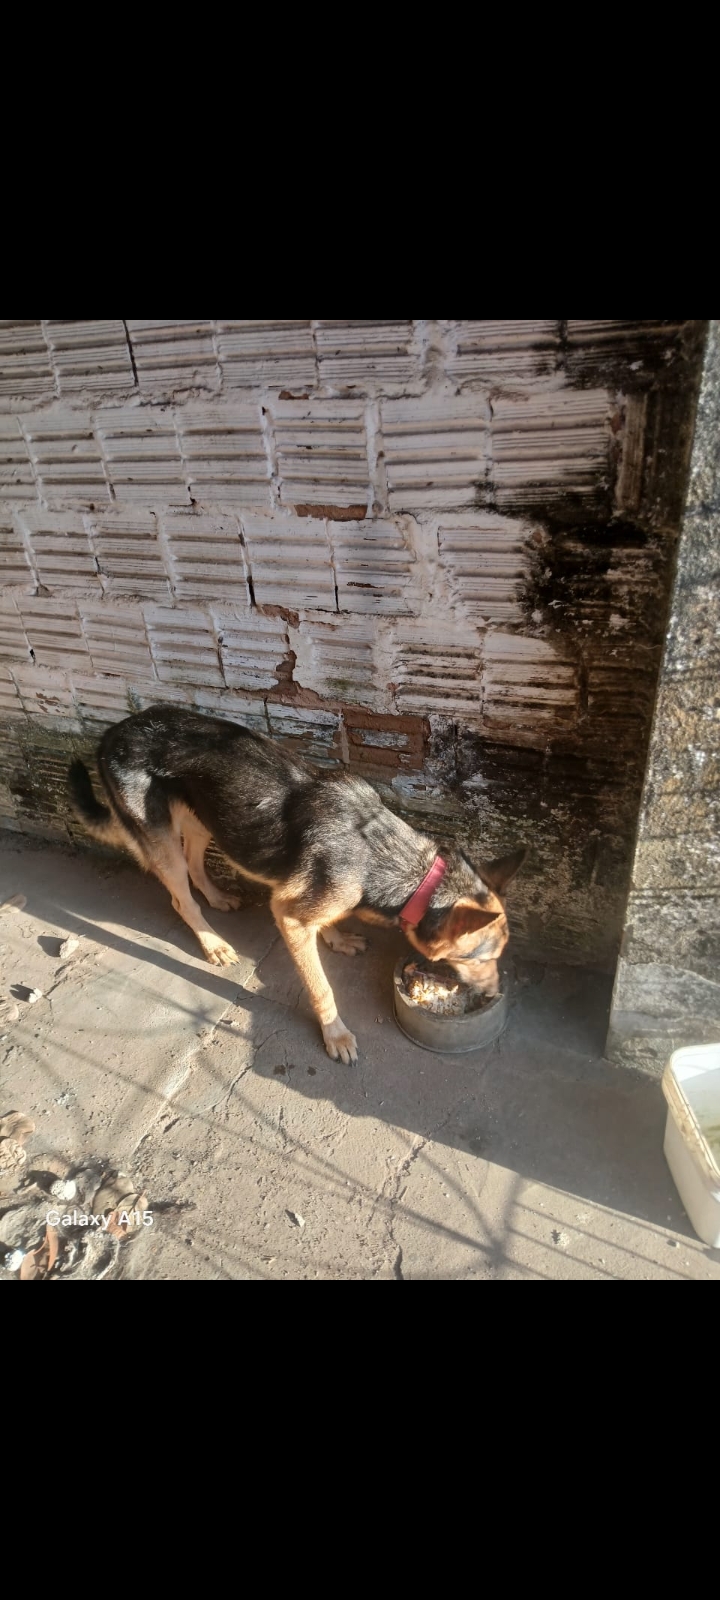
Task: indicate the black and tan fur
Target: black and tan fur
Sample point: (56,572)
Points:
(325,844)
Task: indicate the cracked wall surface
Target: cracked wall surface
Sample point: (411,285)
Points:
(436,552)
(667,987)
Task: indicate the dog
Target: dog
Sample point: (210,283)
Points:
(324,844)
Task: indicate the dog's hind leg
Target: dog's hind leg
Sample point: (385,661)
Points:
(346,944)
(164,856)
(195,840)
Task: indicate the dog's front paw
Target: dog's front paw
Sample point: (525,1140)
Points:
(340,1043)
(217,950)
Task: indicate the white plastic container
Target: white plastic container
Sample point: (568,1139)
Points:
(691,1085)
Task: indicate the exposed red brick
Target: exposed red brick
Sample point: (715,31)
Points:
(385,723)
(370,755)
(356,513)
(293,694)
(280,611)
(379,758)
(415,744)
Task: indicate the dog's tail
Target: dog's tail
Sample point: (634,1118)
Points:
(97,818)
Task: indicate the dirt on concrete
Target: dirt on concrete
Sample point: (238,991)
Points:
(260,1158)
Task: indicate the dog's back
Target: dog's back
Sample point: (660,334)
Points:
(236,782)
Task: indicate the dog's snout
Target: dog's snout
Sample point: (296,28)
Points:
(483,975)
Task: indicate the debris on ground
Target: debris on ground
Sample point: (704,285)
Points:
(121,1205)
(63,1189)
(296,1218)
(28,994)
(68,948)
(16,1126)
(70,1226)
(14,1130)
(12,1156)
(38,1263)
(15,902)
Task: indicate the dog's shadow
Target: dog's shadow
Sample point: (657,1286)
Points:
(541,1103)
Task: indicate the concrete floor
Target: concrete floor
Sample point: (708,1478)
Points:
(534,1159)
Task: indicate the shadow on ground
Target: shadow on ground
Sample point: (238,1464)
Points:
(541,1103)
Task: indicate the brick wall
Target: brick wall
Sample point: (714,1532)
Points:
(439,553)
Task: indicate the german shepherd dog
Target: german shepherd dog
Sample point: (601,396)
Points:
(325,844)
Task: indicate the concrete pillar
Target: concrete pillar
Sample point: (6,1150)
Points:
(667,988)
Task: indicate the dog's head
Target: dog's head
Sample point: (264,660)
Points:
(472,933)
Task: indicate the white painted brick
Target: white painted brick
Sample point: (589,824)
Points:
(206,557)
(46,692)
(128,553)
(587,340)
(116,639)
(338,657)
(277,355)
(10,702)
(142,694)
(13,644)
(251,646)
(25,366)
(15,568)
(501,352)
(321,451)
(528,683)
(232,708)
(225,454)
(314,730)
(66,457)
(142,455)
(54,633)
(90,356)
(183,645)
(362,354)
(17,479)
(486,561)
(436,450)
(290,561)
(61,550)
(438,669)
(296,720)
(546,444)
(375,566)
(100,700)
(174,355)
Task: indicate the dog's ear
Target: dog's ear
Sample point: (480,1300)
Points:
(466,918)
(497,874)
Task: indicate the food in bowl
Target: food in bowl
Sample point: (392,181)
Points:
(436,987)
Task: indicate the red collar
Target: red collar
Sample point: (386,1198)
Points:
(414,909)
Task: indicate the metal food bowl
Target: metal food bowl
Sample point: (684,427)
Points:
(446,1035)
